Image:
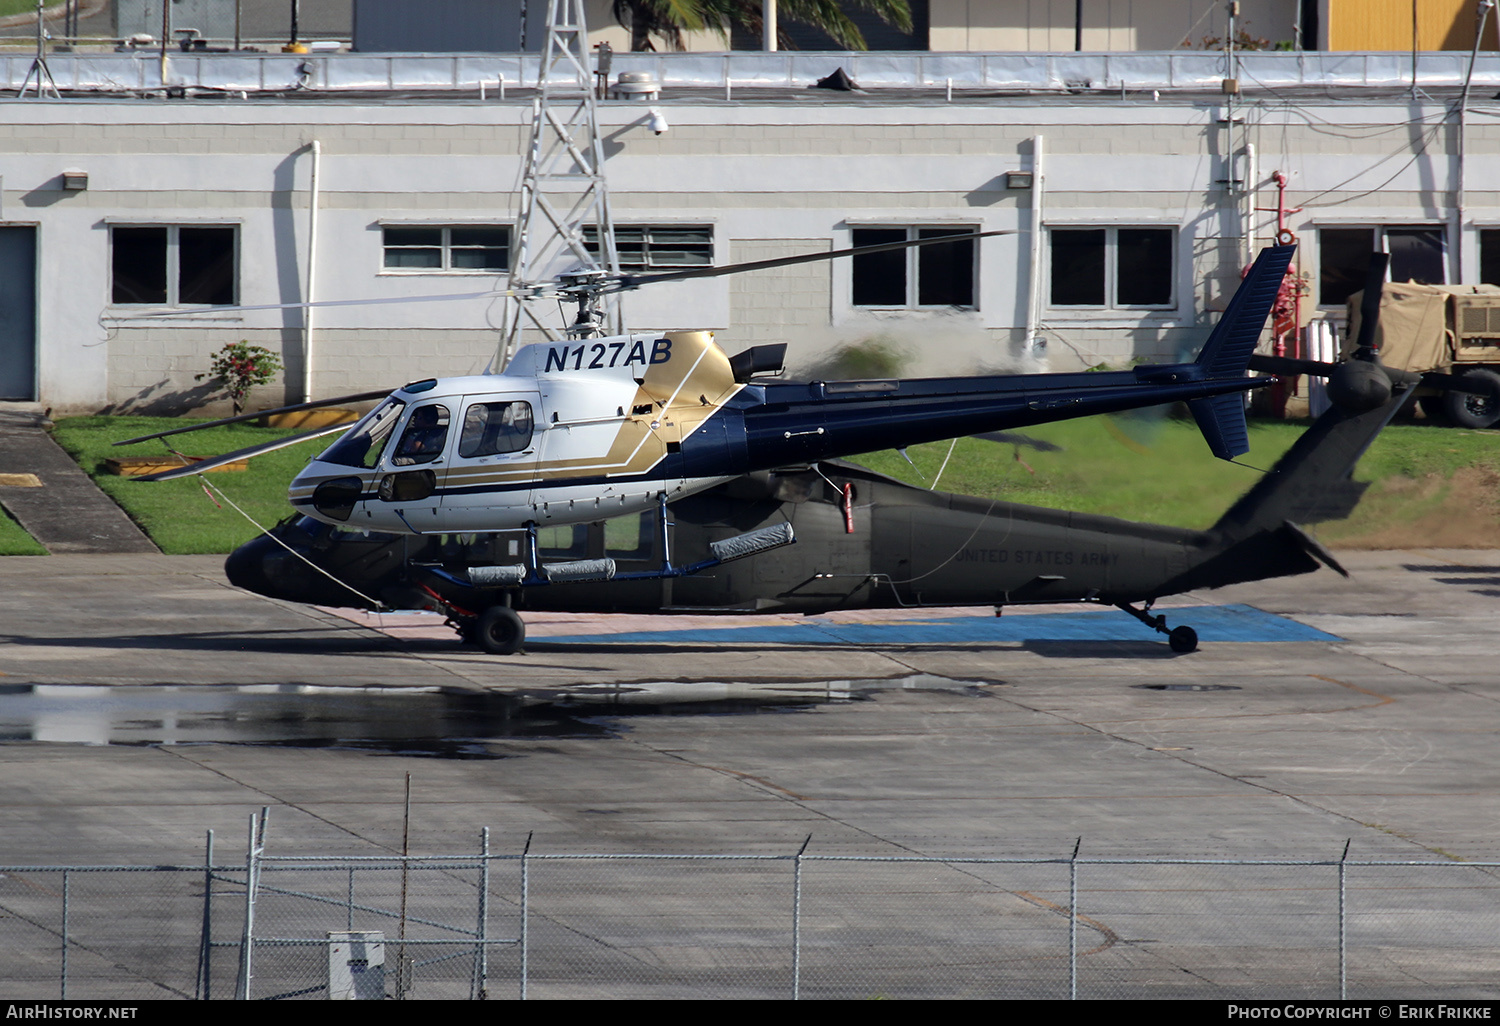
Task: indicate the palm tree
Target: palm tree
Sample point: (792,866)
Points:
(666,20)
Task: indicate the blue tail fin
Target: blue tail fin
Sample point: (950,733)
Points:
(1221,418)
(1228,349)
(1230,345)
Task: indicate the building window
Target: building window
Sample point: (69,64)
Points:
(1113,268)
(936,275)
(658,247)
(168,265)
(455,249)
(1418,254)
(1489,256)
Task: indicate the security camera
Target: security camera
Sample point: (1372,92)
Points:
(656,122)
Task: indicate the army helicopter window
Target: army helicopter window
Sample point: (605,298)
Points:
(494,428)
(362,444)
(424,437)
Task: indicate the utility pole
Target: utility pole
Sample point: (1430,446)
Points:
(563,189)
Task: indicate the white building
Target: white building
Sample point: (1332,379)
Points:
(127,206)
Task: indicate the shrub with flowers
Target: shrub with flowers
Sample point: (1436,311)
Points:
(241,366)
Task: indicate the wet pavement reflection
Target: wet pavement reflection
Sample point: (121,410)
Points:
(436,722)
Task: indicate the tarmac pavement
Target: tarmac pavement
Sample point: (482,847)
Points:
(1383,734)
(144,702)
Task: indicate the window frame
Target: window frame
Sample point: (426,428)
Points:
(172,257)
(912,264)
(647,266)
(1112,305)
(1493,231)
(445,247)
(1381,242)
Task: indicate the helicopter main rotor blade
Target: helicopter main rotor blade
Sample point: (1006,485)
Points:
(202,466)
(209,312)
(625,282)
(316,404)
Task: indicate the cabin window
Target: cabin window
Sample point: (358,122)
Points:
(362,444)
(1113,268)
(657,247)
(445,249)
(425,435)
(1418,254)
(173,265)
(494,428)
(938,275)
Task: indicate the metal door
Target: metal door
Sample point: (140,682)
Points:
(17,313)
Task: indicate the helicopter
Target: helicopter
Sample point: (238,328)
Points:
(593,427)
(864,541)
(868,541)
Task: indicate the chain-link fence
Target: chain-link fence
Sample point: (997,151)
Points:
(546,925)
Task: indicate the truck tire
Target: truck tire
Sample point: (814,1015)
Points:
(1433,407)
(1475,411)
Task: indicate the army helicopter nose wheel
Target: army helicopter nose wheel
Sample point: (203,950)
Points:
(1183,639)
(500,631)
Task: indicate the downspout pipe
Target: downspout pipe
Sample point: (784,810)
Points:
(1460,198)
(315,148)
(1034,300)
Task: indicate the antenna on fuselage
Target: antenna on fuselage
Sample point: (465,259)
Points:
(563,192)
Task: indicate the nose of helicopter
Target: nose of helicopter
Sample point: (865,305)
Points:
(254,566)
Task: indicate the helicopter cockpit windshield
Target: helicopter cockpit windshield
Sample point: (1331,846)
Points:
(362,444)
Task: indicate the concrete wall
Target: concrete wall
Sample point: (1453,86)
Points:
(772,177)
(1108,25)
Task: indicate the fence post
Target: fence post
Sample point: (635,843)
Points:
(797,920)
(252,881)
(64,981)
(1073,922)
(204,983)
(479,986)
(525,915)
(1343,925)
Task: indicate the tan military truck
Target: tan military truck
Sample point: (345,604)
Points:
(1454,329)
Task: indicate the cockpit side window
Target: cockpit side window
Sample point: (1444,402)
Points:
(425,435)
(491,429)
(362,444)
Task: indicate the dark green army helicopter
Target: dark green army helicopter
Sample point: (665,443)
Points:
(863,541)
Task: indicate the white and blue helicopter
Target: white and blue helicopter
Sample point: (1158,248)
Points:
(591,427)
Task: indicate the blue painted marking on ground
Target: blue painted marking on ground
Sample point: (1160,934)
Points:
(1213,623)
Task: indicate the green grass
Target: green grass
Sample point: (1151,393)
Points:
(14,541)
(178,516)
(1433,486)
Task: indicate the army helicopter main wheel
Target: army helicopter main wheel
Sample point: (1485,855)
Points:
(1183,639)
(1475,411)
(500,631)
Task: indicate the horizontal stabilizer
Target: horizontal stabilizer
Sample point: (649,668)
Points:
(1233,339)
(1314,548)
(1221,418)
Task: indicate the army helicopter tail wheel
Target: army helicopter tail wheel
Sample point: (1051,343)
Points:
(1183,639)
(500,631)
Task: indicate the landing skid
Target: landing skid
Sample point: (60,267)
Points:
(1182,638)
